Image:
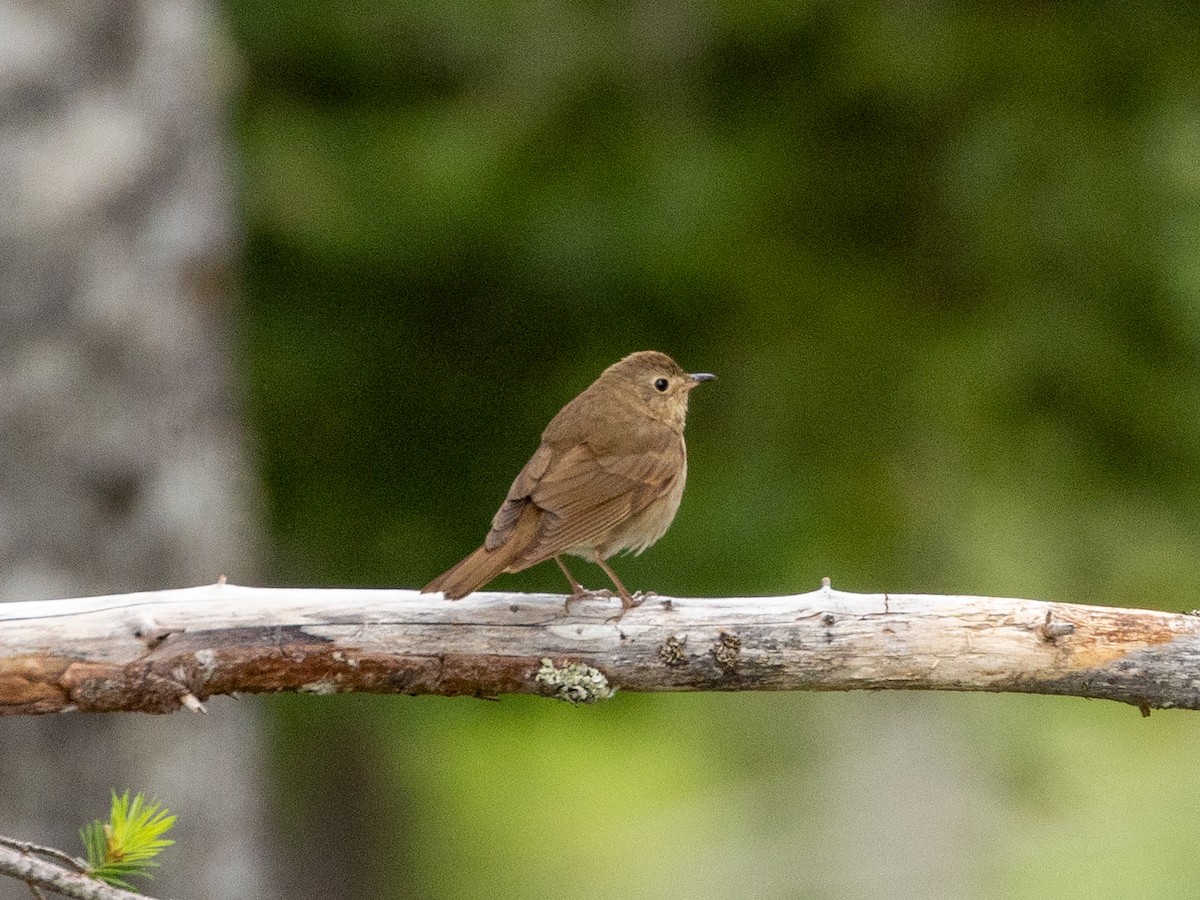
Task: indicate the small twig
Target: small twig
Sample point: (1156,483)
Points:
(192,702)
(73,862)
(26,866)
(1050,630)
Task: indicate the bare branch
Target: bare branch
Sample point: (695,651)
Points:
(62,859)
(38,873)
(160,651)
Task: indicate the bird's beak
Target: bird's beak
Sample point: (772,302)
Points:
(700,377)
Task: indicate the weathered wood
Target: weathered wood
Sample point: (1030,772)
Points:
(155,652)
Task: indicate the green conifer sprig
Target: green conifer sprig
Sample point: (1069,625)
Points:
(125,845)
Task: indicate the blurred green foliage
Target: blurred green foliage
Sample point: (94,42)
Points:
(946,261)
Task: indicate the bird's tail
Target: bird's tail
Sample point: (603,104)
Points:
(469,575)
(483,565)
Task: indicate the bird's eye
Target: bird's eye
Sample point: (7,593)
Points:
(661,385)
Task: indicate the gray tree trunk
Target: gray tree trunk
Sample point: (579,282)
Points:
(123,462)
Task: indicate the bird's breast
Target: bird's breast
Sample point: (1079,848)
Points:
(642,529)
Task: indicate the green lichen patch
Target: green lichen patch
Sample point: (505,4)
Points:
(574,682)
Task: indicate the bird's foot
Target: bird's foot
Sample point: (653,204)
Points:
(582,593)
(630,601)
(579,592)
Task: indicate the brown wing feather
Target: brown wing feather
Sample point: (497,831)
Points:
(585,495)
(514,504)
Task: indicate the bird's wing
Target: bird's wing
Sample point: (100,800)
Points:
(584,494)
(504,523)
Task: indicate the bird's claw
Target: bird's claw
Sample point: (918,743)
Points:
(581,593)
(627,602)
(630,602)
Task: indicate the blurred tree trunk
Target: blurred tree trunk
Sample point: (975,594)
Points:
(123,462)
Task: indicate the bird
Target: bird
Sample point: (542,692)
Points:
(607,477)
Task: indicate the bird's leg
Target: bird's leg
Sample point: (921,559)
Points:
(628,601)
(578,591)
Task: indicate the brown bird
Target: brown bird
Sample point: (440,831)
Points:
(607,477)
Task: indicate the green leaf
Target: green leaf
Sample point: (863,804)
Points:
(125,845)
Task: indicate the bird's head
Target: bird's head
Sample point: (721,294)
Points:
(657,381)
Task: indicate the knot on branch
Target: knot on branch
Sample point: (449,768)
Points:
(1050,630)
(574,682)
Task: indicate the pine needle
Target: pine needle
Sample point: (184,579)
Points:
(125,846)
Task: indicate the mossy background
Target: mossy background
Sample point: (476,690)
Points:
(946,262)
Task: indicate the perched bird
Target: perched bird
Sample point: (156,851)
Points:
(607,477)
